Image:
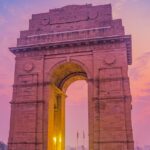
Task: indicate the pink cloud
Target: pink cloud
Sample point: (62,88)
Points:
(140,89)
(139,76)
(2,20)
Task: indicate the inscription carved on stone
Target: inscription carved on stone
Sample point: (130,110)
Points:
(28,93)
(27,87)
(107,88)
(110,73)
(27,79)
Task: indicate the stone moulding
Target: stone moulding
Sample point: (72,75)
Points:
(73,43)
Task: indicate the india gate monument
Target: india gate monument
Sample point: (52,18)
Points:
(75,42)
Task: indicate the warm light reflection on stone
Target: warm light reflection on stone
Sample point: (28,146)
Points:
(62,77)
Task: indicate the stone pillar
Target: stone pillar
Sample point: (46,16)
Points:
(56,121)
(26,118)
(90,113)
(115,110)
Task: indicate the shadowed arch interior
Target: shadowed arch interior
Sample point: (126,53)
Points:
(67,73)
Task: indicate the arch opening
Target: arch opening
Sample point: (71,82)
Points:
(62,77)
(76,112)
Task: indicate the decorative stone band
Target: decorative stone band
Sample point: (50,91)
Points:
(113,142)
(67,35)
(88,80)
(113,79)
(72,43)
(113,98)
(27,102)
(71,32)
(108,79)
(34,143)
(32,84)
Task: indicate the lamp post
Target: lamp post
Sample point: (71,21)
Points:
(55,143)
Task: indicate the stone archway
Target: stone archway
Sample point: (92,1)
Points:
(59,48)
(61,77)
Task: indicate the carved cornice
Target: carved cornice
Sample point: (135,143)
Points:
(79,42)
(112,98)
(32,84)
(27,102)
(113,79)
(33,143)
(113,141)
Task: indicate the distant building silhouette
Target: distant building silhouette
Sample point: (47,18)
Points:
(3,146)
(138,148)
(147,147)
(80,147)
(70,148)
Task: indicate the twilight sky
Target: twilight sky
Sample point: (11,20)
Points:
(14,16)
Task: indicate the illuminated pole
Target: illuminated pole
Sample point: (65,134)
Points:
(60,142)
(55,143)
